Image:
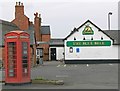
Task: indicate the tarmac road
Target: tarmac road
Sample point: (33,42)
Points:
(80,76)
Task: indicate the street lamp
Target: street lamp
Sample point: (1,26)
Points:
(110,13)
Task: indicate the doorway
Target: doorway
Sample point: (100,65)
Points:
(39,55)
(53,53)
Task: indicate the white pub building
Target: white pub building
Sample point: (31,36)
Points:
(89,44)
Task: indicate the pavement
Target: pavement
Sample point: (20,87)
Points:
(75,76)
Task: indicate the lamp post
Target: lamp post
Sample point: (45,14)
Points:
(110,13)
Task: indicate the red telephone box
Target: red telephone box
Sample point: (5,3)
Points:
(17,57)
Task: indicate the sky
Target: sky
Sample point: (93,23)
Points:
(64,15)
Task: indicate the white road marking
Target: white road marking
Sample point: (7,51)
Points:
(65,65)
(58,66)
(110,64)
(61,75)
(75,65)
(87,65)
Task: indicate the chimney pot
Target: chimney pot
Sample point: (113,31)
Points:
(36,14)
(19,3)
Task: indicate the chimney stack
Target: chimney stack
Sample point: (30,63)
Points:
(37,26)
(21,20)
(19,9)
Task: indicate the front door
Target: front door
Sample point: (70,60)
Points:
(39,56)
(53,53)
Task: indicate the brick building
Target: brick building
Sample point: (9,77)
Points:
(38,34)
(42,33)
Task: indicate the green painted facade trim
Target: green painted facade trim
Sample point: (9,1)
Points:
(88,43)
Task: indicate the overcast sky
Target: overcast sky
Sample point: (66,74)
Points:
(64,15)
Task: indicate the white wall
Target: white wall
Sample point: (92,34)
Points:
(91,52)
(59,53)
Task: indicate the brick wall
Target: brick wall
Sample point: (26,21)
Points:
(45,47)
(22,22)
(46,38)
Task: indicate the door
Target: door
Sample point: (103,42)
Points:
(53,53)
(39,55)
(12,59)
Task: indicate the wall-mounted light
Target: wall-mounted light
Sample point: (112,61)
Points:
(74,38)
(71,49)
(92,38)
(84,38)
(101,38)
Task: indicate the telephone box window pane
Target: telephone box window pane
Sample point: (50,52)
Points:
(24,61)
(24,57)
(25,52)
(24,44)
(11,75)
(25,65)
(11,70)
